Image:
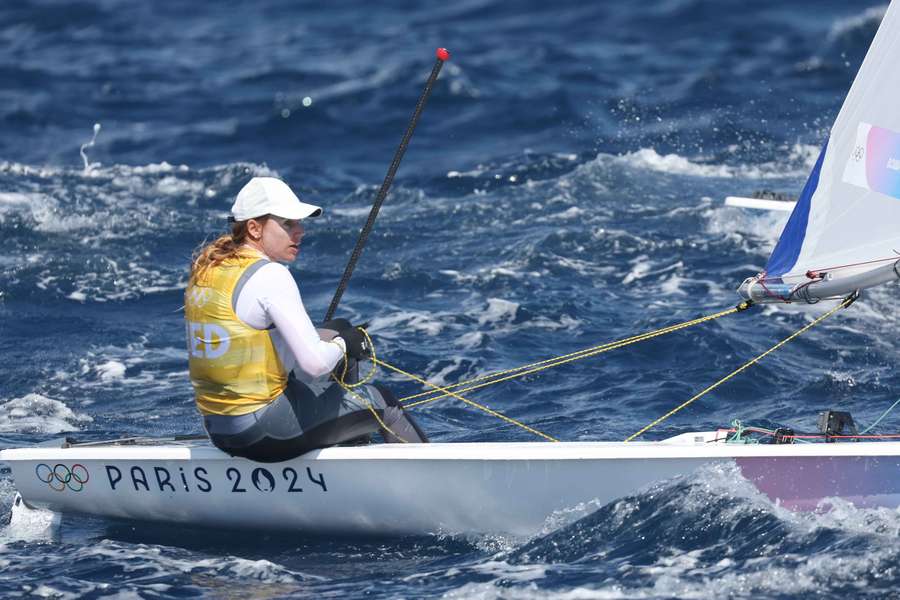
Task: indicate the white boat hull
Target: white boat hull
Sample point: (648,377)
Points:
(761,203)
(425,488)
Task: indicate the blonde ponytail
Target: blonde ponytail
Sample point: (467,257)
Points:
(221,249)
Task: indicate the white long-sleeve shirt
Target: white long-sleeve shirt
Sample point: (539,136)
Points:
(271,297)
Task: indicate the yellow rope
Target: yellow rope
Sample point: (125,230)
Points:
(368,376)
(348,387)
(501,376)
(372,410)
(482,407)
(560,360)
(750,363)
(376,361)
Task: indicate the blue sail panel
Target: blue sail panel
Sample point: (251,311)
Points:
(786,252)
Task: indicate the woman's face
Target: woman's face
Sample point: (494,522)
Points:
(278,238)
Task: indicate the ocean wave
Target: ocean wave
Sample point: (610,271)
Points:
(867,20)
(34,413)
(142,569)
(797,162)
(708,534)
(95,218)
(138,367)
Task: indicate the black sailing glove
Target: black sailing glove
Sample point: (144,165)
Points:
(336,324)
(356,342)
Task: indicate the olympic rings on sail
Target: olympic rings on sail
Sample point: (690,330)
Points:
(60,477)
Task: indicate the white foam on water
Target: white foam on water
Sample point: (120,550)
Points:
(500,590)
(564,322)
(42,209)
(100,205)
(155,168)
(508,271)
(110,370)
(163,560)
(499,316)
(692,574)
(34,413)
(14,168)
(31,525)
(47,591)
(134,368)
(801,576)
(123,282)
(870,16)
(260,570)
(470,340)
(143,569)
(673,286)
(797,162)
(498,311)
(351,213)
(583,267)
(566,516)
(457,367)
(724,479)
(754,231)
(573,212)
(14,200)
(408,321)
(648,158)
(642,267)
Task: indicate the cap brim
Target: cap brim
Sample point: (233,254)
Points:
(303,211)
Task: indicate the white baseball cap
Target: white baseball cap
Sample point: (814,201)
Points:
(269,196)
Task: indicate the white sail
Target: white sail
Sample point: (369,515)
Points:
(844,233)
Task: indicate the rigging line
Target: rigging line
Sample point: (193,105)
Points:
(768,432)
(577,354)
(769,293)
(481,407)
(846,302)
(880,436)
(564,359)
(826,269)
(878,420)
(372,410)
(348,387)
(583,353)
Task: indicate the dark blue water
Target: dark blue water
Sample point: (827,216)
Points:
(563,189)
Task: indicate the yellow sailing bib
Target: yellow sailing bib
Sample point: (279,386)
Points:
(234,367)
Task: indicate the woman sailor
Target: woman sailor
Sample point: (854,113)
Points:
(258,365)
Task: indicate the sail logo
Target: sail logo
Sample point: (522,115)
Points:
(872,164)
(60,476)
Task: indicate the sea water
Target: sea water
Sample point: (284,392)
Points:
(563,189)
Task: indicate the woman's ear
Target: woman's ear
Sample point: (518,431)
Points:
(254,229)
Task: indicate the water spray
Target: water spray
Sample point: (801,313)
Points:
(87,165)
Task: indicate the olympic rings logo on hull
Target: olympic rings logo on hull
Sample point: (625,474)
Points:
(60,477)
